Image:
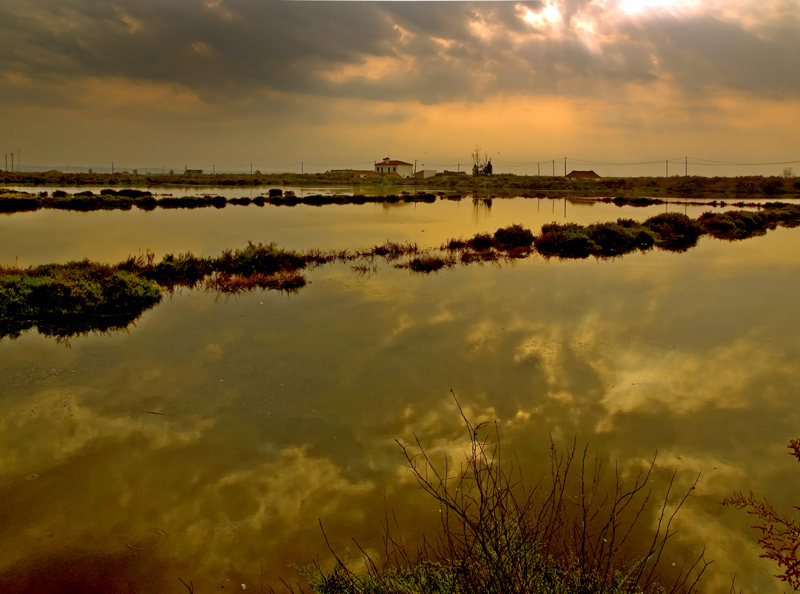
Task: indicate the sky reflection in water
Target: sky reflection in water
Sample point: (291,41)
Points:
(207,441)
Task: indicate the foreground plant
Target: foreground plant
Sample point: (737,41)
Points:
(568,533)
(780,534)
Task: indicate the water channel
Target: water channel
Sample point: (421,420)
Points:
(209,440)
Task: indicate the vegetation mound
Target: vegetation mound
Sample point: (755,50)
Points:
(67,299)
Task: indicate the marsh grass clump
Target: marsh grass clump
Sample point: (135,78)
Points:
(19,202)
(568,240)
(786,215)
(480,242)
(77,297)
(258,258)
(622,237)
(569,532)
(513,236)
(231,284)
(734,225)
(392,250)
(428,263)
(675,232)
(455,245)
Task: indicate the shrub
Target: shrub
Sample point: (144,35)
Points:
(622,237)
(481,242)
(674,231)
(567,241)
(513,236)
(732,225)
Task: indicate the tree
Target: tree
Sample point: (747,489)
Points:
(788,172)
(481,165)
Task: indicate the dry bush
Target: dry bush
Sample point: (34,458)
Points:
(780,533)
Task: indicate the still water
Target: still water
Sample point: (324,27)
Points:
(210,440)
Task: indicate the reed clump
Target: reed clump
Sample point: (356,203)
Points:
(571,531)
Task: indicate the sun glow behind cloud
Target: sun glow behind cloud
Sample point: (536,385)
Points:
(547,21)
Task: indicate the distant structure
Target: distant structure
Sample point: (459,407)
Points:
(188,171)
(423,173)
(401,168)
(582,175)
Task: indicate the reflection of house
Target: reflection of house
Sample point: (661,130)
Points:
(582,175)
(401,168)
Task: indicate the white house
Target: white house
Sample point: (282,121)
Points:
(401,168)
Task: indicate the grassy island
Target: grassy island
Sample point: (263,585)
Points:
(67,299)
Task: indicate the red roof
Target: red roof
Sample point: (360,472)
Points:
(388,162)
(584,174)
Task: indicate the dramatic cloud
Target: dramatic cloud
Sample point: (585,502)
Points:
(284,62)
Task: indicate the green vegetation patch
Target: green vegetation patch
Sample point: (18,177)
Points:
(65,299)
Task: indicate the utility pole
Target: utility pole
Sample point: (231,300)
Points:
(251,169)
(565,167)
(302,170)
(554,167)
(415,165)
(6,169)
(687,166)
(667,163)
(538,169)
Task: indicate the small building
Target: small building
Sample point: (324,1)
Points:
(188,171)
(364,173)
(423,173)
(401,168)
(583,175)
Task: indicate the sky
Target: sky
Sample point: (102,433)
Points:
(618,86)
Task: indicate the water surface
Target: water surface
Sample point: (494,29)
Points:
(208,441)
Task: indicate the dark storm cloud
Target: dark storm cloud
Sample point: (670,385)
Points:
(434,51)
